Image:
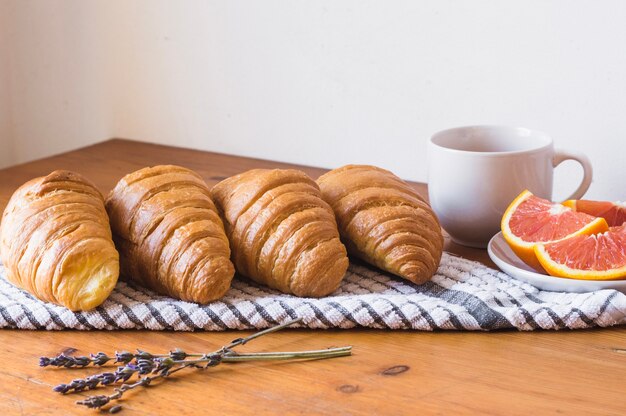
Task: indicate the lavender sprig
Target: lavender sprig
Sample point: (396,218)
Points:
(66,361)
(155,366)
(122,374)
(126,357)
(100,359)
(164,365)
(96,402)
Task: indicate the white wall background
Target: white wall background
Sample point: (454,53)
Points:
(320,82)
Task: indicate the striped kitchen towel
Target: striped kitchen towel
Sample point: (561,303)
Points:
(463,295)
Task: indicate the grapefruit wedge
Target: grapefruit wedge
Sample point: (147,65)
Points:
(613,212)
(589,257)
(531,220)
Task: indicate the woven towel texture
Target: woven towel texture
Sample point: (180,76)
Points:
(463,295)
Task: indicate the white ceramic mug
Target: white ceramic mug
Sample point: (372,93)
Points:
(475,172)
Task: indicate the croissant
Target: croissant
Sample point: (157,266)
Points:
(383,221)
(170,236)
(55,241)
(282,234)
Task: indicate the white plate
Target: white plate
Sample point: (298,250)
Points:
(509,263)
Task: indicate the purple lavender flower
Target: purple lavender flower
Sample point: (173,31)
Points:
(94,402)
(61,388)
(124,357)
(99,358)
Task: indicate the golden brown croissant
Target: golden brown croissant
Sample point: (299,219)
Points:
(383,221)
(56,242)
(281,232)
(169,234)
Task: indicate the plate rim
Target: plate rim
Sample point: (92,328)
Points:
(541,280)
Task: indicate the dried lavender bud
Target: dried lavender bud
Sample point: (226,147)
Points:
(213,359)
(107,378)
(115,409)
(94,402)
(145,366)
(123,376)
(92,382)
(164,365)
(61,388)
(78,384)
(124,357)
(143,354)
(212,362)
(124,373)
(58,361)
(99,358)
(178,354)
(81,361)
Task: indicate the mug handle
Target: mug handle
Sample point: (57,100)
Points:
(561,156)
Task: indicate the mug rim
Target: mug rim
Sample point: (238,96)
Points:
(549,142)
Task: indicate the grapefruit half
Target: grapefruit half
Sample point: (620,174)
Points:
(589,257)
(613,212)
(531,220)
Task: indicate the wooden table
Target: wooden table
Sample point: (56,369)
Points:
(447,373)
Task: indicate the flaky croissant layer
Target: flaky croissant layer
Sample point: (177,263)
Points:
(170,236)
(282,234)
(383,221)
(55,241)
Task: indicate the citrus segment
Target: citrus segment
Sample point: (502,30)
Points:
(620,229)
(589,257)
(613,212)
(530,220)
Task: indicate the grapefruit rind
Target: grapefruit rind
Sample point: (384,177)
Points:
(618,209)
(570,203)
(521,248)
(504,225)
(525,250)
(560,270)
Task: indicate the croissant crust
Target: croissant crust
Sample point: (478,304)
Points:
(169,234)
(383,221)
(55,241)
(282,233)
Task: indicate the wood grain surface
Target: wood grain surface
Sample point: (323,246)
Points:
(401,372)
